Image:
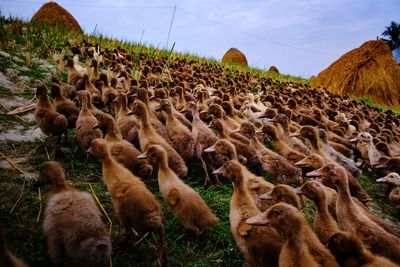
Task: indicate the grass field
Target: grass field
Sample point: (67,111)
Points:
(22,203)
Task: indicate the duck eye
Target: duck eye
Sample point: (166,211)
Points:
(275,213)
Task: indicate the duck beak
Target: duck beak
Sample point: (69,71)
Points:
(142,156)
(262,116)
(130,113)
(237,130)
(299,190)
(270,120)
(382,180)
(381,166)
(294,134)
(354,140)
(257,220)
(114,100)
(157,109)
(89,150)
(265,196)
(302,162)
(220,170)
(96,126)
(210,149)
(315,173)
(259,131)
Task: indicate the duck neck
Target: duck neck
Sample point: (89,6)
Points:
(58,186)
(163,164)
(322,204)
(144,120)
(343,189)
(111,131)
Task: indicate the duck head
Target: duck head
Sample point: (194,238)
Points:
(51,172)
(281,216)
(313,161)
(310,133)
(155,155)
(282,193)
(223,147)
(391,178)
(232,170)
(312,190)
(99,148)
(330,174)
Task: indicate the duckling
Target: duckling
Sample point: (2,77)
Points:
(350,251)
(95,111)
(148,136)
(68,91)
(187,205)
(324,224)
(394,196)
(74,74)
(302,247)
(50,122)
(64,106)
(127,125)
(204,138)
(179,134)
(72,223)
(259,245)
(280,147)
(352,218)
(283,193)
(366,147)
(276,166)
(7,259)
(124,152)
(135,206)
(142,95)
(249,155)
(87,127)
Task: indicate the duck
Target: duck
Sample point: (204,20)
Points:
(74,73)
(148,136)
(352,218)
(347,163)
(283,193)
(204,138)
(64,106)
(260,245)
(366,147)
(6,257)
(72,223)
(256,185)
(275,165)
(50,122)
(127,125)
(393,178)
(324,224)
(243,150)
(87,126)
(350,251)
(281,147)
(186,204)
(218,112)
(302,247)
(136,207)
(124,152)
(179,134)
(97,113)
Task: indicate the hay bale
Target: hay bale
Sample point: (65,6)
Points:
(368,71)
(55,15)
(273,69)
(234,55)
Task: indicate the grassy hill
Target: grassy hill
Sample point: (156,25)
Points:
(27,57)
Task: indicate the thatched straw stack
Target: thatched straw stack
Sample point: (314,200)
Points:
(368,71)
(273,69)
(55,15)
(234,55)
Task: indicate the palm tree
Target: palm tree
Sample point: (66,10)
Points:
(393,32)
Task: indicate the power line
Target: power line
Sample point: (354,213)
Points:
(255,36)
(92,6)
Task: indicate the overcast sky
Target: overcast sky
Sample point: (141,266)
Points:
(300,37)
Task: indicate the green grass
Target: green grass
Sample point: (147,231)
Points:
(367,101)
(215,247)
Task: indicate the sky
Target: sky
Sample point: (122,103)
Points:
(299,37)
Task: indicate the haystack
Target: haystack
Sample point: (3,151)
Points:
(55,15)
(368,71)
(273,69)
(234,55)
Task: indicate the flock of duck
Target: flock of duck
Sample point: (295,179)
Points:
(158,119)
